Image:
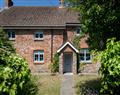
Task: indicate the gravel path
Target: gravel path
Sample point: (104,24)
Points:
(67,86)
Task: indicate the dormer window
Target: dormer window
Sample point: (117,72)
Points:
(11,35)
(39,35)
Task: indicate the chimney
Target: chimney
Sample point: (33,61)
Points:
(61,3)
(8,3)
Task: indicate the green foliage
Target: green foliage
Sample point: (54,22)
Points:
(82,66)
(30,88)
(76,41)
(14,71)
(99,18)
(54,67)
(110,68)
(13,75)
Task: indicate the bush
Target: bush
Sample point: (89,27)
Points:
(82,66)
(13,75)
(110,68)
(54,67)
(30,88)
(14,71)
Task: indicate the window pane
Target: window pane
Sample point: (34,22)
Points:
(9,35)
(41,57)
(87,56)
(13,34)
(78,31)
(82,57)
(36,35)
(41,35)
(36,57)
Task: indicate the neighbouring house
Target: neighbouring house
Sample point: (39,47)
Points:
(40,32)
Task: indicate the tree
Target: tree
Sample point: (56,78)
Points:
(100,19)
(14,71)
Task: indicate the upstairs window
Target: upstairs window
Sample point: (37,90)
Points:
(11,35)
(78,31)
(39,56)
(85,55)
(38,35)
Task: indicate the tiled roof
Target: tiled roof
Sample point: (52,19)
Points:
(37,16)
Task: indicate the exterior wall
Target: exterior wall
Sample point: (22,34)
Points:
(70,33)
(25,45)
(57,40)
(83,43)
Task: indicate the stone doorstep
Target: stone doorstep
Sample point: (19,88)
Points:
(81,74)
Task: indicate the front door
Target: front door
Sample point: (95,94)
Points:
(67,63)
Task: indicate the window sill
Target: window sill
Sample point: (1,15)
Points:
(38,62)
(85,61)
(77,34)
(11,39)
(39,39)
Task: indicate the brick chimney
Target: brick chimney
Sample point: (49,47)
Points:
(8,3)
(61,3)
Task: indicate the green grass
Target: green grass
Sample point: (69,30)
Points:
(87,85)
(47,85)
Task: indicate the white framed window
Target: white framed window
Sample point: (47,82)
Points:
(85,56)
(39,35)
(38,56)
(11,35)
(78,31)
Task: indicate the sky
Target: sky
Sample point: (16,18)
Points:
(32,3)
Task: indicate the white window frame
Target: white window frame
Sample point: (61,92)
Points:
(84,50)
(39,33)
(39,52)
(77,34)
(11,35)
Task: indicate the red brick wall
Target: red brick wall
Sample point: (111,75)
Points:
(25,45)
(70,33)
(57,40)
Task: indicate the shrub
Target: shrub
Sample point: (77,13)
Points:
(110,68)
(30,88)
(54,67)
(14,71)
(82,66)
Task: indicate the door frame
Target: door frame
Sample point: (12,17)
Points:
(71,54)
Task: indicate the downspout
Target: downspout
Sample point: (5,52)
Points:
(52,45)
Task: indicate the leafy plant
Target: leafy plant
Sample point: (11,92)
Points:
(110,68)
(14,71)
(54,67)
(82,66)
(98,18)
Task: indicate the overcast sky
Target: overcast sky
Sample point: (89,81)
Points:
(32,3)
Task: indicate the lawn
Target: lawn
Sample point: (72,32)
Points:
(47,84)
(87,85)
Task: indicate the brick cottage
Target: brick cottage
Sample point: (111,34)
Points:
(40,32)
